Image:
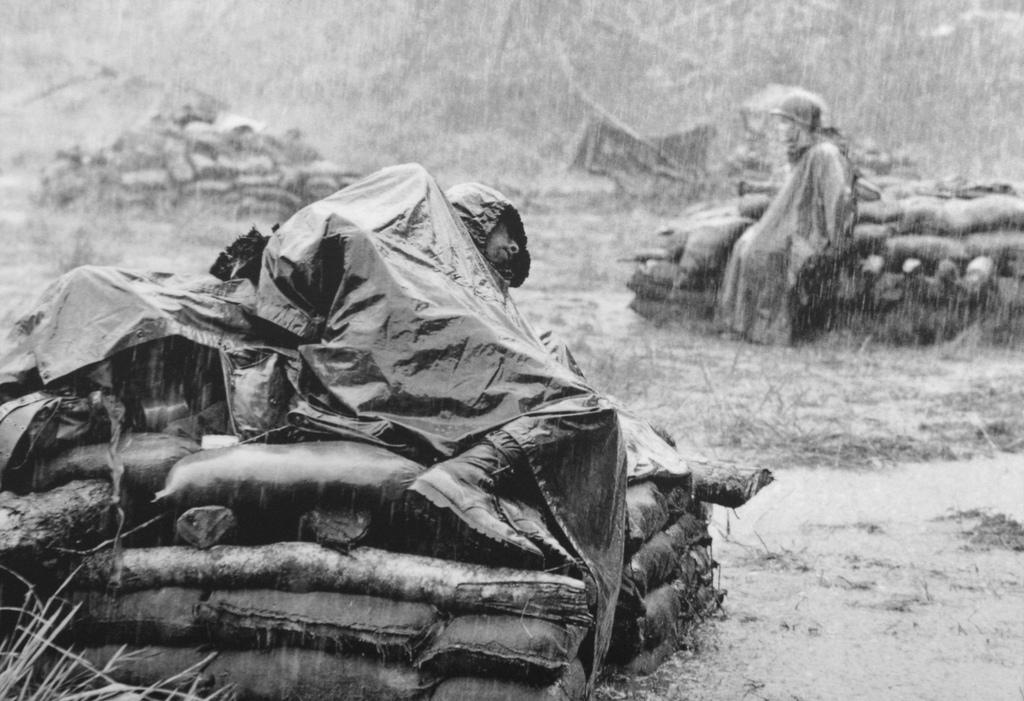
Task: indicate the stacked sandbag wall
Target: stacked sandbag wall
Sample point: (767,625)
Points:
(928,258)
(252,606)
(238,171)
(248,604)
(667,576)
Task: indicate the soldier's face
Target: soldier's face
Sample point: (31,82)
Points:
(500,248)
(792,132)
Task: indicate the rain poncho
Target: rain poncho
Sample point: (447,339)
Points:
(481,207)
(811,217)
(409,338)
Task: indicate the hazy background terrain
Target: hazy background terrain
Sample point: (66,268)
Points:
(498,89)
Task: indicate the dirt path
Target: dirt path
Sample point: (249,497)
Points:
(862,586)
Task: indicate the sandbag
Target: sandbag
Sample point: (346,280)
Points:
(646,514)
(210,169)
(987,213)
(164,616)
(883,211)
(146,180)
(957,217)
(329,621)
(209,186)
(648,661)
(921,214)
(511,647)
(653,279)
(752,206)
(900,188)
(260,180)
(869,239)
(663,607)
(1005,248)
(295,476)
(271,675)
(41,424)
(979,276)
(148,458)
(655,563)
(571,686)
(662,558)
(708,246)
(928,249)
(339,529)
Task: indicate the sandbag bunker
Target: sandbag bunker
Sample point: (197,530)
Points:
(345,517)
(928,258)
(224,161)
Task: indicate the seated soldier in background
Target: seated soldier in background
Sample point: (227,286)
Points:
(782,275)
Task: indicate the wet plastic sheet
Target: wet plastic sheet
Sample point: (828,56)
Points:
(92,312)
(410,335)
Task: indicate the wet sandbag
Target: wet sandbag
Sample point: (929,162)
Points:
(339,529)
(869,239)
(987,213)
(571,686)
(883,211)
(290,476)
(928,249)
(146,180)
(451,586)
(708,246)
(164,616)
(922,214)
(512,647)
(250,618)
(656,562)
(957,217)
(663,607)
(659,560)
(752,206)
(148,458)
(653,279)
(1005,248)
(647,661)
(646,513)
(271,675)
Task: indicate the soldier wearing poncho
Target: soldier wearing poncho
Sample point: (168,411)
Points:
(494,225)
(782,273)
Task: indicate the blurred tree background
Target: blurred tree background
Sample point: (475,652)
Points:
(501,87)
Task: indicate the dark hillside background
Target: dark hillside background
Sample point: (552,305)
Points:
(499,88)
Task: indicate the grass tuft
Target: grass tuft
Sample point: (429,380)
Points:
(36,664)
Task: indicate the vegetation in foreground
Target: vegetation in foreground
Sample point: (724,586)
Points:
(35,664)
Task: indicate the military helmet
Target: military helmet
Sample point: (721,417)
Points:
(803,107)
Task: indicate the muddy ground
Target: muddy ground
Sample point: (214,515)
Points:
(879,565)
